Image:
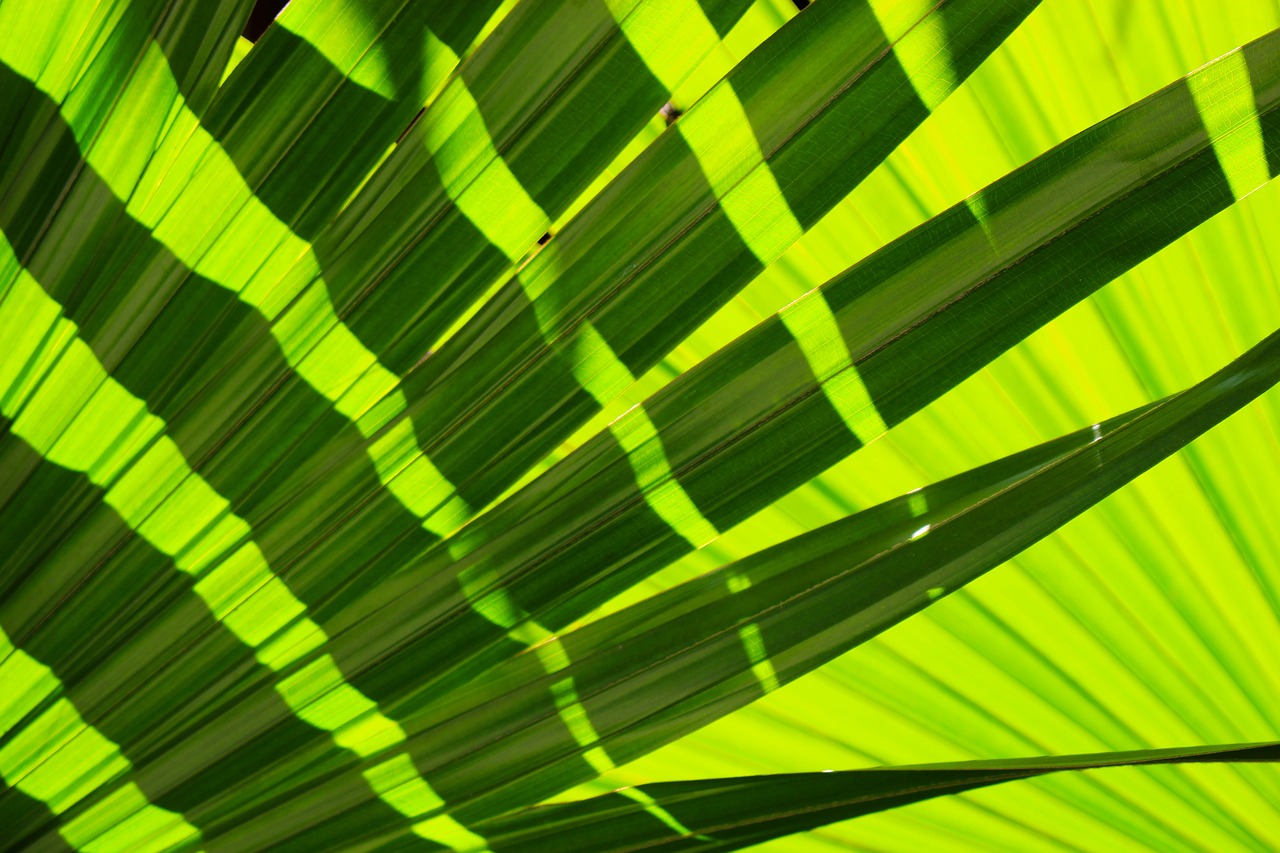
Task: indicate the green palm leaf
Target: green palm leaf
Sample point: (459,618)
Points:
(728,814)
(641,677)
(312,479)
(783,403)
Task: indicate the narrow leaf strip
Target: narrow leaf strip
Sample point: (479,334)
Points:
(729,814)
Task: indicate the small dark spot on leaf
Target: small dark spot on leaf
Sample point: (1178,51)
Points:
(264,12)
(801,4)
(670,112)
(405,132)
(542,241)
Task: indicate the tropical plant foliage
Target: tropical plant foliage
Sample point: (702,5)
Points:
(449,425)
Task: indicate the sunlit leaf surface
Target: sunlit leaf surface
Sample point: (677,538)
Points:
(397,432)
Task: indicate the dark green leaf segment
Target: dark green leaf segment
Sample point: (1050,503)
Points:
(729,814)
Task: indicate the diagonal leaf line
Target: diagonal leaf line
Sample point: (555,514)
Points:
(132,532)
(121,697)
(144,447)
(122,780)
(277,681)
(678,471)
(284,376)
(1009,776)
(707,456)
(79,168)
(1010,773)
(607,296)
(88,724)
(1013,776)
(227,222)
(333,93)
(181,647)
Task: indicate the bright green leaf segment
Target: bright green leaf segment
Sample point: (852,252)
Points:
(432,410)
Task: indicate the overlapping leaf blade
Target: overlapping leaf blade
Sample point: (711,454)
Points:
(324,570)
(677,233)
(661,668)
(240,354)
(222,395)
(808,600)
(728,814)
(747,426)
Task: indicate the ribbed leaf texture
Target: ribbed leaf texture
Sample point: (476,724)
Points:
(541,425)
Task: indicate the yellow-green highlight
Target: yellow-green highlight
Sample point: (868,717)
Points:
(1223,95)
(814,327)
(59,759)
(720,136)
(919,41)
